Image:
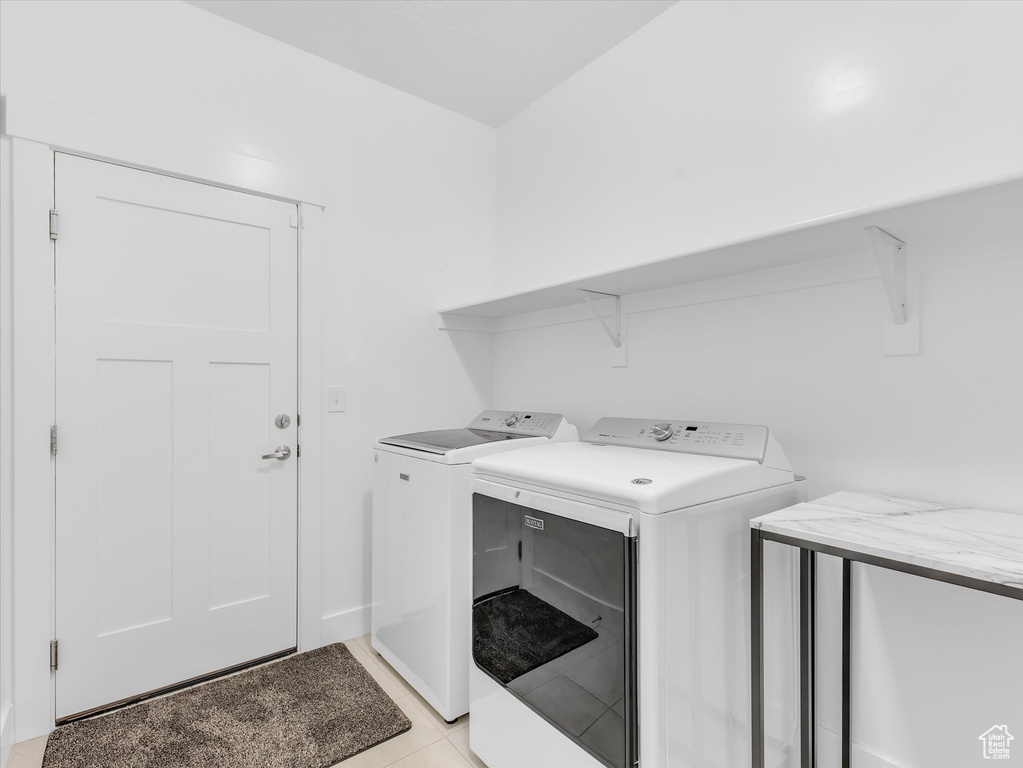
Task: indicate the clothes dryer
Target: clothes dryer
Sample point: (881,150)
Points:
(611,596)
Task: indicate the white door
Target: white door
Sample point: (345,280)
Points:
(176,350)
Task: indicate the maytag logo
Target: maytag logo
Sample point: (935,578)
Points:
(532,522)
(403,476)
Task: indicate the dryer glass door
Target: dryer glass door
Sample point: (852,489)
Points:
(554,621)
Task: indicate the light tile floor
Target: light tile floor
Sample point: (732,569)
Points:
(430,743)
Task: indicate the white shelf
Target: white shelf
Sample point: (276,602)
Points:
(987,206)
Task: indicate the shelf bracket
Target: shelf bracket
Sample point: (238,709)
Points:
(615,334)
(890,253)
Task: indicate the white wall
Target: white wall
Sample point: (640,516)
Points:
(808,362)
(6,490)
(410,214)
(721,121)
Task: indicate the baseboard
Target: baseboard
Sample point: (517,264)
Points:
(6,732)
(345,625)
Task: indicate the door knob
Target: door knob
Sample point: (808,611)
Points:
(281,452)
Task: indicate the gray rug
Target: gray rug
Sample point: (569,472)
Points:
(515,632)
(310,710)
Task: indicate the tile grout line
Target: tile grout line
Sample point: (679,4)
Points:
(430,746)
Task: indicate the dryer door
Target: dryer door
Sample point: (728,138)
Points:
(554,621)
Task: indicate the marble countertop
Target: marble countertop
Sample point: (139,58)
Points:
(977,543)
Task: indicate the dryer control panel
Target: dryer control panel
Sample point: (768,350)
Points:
(529,423)
(732,441)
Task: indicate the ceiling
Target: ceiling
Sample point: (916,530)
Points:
(486,59)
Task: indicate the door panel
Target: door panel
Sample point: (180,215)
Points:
(134,520)
(240,518)
(213,258)
(176,348)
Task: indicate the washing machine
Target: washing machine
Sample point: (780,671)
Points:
(610,592)
(422,543)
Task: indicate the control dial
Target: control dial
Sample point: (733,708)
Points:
(662,431)
(511,420)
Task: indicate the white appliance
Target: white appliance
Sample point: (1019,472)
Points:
(611,596)
(422,523)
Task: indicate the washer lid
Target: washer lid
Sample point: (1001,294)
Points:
(442,441)
(488,427)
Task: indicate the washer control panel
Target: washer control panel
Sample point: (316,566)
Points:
(733,441)
(528,423)
(662,432)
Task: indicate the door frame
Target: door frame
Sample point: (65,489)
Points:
(33,132)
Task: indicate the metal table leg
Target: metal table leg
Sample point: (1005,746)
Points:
(807,657)
(757,647)
(846,662)
(807,633)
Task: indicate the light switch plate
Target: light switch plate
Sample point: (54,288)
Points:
(335,398)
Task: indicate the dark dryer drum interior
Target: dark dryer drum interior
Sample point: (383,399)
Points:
(553,621)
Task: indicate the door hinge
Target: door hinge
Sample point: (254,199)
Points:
(54,657)
(53,440)
(298,450)
(53,224)
(297,222)
(298,419)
